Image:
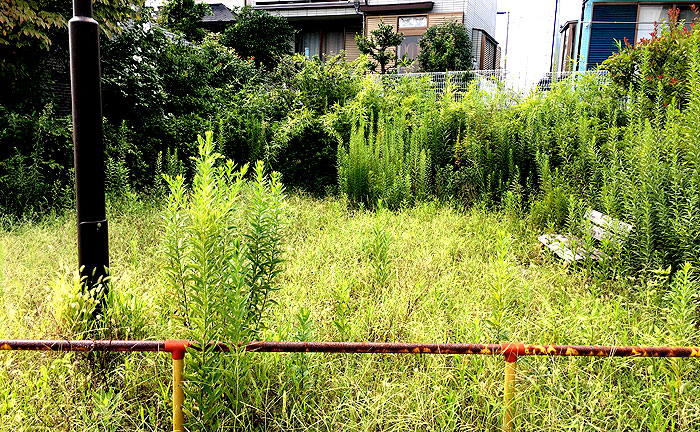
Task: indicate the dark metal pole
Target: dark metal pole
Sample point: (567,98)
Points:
(552,61)
(93,255)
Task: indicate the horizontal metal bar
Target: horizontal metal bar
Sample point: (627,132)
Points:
(610,351)
(516,349)
(375,347)
(81,345)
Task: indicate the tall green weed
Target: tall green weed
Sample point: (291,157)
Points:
(391,164)
(223,247)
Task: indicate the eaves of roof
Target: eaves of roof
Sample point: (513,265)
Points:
(322,5)
(412,7)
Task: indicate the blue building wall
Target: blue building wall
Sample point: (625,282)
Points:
(604,22)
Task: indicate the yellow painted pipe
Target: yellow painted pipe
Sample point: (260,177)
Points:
(178,395)
(508,392)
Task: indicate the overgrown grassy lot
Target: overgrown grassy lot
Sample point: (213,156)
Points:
(429,273)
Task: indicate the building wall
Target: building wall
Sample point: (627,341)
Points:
(372,22)
(473,14)
(313,12)
(351,51)
(567,45)
(596,36)
(480,14)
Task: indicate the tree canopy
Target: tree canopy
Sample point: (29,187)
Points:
(444,47)
(26,23)
(380,46)
(183,16)
(260,35)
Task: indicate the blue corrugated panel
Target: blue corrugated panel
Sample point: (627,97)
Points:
(610,23)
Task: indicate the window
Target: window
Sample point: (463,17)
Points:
(649,14)
(333,43)
(310,44)
(409,47)
(413,22)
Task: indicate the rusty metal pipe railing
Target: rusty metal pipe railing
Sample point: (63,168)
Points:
(80,345)
(359,347)
(510,351)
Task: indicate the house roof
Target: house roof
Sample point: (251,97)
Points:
(567,24)
(219,13)
(419,6)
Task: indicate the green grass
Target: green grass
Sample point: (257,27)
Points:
(430,273)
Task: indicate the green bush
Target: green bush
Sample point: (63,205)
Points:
(445,47)
(183,16)
(658,67)
(35,162)
(304,152)
(259,36)
(132,80)
(320,85)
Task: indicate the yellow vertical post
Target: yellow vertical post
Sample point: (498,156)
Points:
(178,395)
(508,392)
(177,347)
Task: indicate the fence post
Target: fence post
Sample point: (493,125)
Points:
(177,350)
(510,353)
(508,391)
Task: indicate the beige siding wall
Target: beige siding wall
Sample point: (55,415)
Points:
(373,22)
(393,20)
(439,18)
(351,51)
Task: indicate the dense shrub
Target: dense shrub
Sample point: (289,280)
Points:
(165,92)
(319,85)
(385,163)
(260,36)
(444,47)
(132,84)
(35,160)
(183,16)
(659,66)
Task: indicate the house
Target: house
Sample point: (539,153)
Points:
(221,12)
(327,27)
(567,43)
(219,18)
(605,23)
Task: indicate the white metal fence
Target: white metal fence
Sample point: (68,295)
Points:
(490,80)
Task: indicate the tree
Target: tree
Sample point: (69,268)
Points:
(380,46)
(26,23)
(34,38)
(259,35)
(444,47)
(183,16)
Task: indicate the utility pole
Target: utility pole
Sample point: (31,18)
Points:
(505,55)
(86,97)
(553,61)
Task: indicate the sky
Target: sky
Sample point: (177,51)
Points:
(530,35)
